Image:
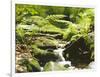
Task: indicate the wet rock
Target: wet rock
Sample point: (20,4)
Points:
(46,47)
(53,66)
(50,50)
(46,57)
(78,53)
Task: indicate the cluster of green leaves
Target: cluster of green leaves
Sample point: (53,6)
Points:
(65,20)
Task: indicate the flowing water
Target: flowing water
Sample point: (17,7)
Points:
(59,51)
(62,60)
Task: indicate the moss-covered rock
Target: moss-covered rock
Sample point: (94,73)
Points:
(45,43)
(53,66)
(35,65)
(28,65)
(44,56)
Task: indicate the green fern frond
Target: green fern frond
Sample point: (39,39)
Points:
(40,21)
(55,17)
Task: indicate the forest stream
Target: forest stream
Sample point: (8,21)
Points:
(54,38)
(62,61)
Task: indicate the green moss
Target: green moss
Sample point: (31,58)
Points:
(32,65)
(35,65)
(44,56)
(53,66)
(45,42)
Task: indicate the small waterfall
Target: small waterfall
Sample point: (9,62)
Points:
(59,51)
(41,69)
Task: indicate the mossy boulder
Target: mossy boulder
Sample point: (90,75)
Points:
(28,65)
(44,56)
(35,65)
(53,66)
(45,43)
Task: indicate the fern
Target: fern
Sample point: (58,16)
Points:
(55,17)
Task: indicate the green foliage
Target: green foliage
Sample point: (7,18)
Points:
(45,42)
(70,31)
(41,28)
(58,22)
(55,17)
(23,12)
(32,65)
